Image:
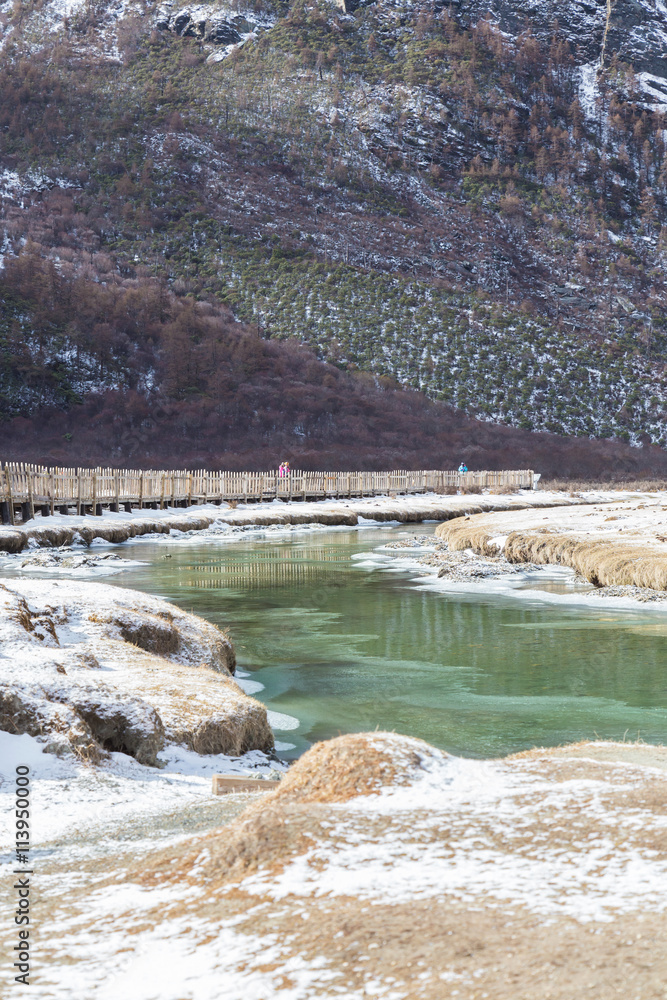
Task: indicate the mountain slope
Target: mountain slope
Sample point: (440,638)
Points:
(472,207)
(144,376)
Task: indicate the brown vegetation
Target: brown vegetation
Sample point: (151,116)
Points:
(356,764)
(602,563)
(222,397)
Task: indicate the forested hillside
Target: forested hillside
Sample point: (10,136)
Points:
(468,206)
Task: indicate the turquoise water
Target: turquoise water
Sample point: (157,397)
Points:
(343,646)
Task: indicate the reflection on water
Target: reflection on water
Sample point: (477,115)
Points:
(266,566)
(344,646)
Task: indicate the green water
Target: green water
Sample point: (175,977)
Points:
(343,647)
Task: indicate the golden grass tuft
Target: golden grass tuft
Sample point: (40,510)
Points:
(465,533)
(234,733)
(355,764)
(603,563)
(286,821)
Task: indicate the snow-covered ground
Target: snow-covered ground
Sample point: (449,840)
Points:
(620,548)
(633,518)
(110,694)
(71,798)
(380,868)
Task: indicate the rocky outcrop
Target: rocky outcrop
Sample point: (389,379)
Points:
(636,30)
(94,669)
(207,22)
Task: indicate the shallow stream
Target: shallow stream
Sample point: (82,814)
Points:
(342,642)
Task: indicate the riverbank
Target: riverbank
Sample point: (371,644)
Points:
(466,571)
(90,670)
(114,528)
(611,545)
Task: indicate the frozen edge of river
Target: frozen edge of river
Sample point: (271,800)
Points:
(60,530)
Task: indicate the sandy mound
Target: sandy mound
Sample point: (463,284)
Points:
(357,764)
(94,668)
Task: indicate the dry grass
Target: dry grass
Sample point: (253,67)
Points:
(626,751)
(155,636)
(423,949)
(23,615)
(234,735)
(602,563)
(356,764)
(467,533)
(12,540)
(503,490)
(583,485)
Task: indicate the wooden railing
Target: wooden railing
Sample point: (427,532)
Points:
(25,489)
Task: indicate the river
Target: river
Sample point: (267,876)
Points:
(331,637)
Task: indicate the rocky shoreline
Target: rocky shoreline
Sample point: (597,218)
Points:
(467,566)
(462,566)
(90,670)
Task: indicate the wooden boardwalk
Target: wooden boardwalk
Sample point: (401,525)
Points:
(27,489)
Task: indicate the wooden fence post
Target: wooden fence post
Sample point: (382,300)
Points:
(31,497)
(10,498)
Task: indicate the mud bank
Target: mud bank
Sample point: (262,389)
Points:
(616,544)
(91,670)
(114,528)
(383,867)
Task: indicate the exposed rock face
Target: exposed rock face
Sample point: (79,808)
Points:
(221,33)
(637,30)
(210,23)
(122,725)
(95,669)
